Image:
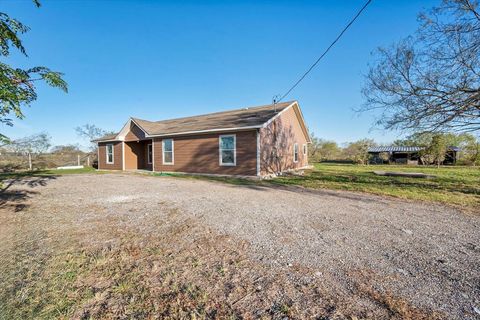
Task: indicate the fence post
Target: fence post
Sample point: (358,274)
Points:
(78,159)
(88,161)
(30,161)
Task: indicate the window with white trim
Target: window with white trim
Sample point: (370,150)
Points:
(149,153)
(227,150)
(304,149)
(109,150)
(167,148)
(295,152)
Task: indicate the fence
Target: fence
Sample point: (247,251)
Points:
(27,161)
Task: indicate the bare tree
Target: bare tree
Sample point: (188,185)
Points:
(90,132)
(431,81)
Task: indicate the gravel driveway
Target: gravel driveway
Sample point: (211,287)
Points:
(426,254)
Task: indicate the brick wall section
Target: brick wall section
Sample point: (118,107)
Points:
(117,156)
(200,154)
(277,140)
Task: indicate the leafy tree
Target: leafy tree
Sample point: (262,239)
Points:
(321,150)
(358,151)
(470,151)
(431,81)
(90,132)
(435,153)
(17,86)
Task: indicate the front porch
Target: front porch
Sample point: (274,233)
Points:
(138,155)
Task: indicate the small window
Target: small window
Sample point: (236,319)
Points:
(149,154)
(227,150)
(304,149)
(295,152)
(109,153)
(167,147)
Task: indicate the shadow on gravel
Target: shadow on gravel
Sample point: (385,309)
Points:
(271,185)
(16,199)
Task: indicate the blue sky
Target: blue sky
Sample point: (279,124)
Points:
(158,60)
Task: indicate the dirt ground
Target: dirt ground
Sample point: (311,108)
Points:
(130,246)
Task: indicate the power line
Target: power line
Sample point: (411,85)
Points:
(326,51)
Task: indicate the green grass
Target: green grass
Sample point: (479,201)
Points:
(458,186)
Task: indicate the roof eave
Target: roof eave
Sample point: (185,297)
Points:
(156,135)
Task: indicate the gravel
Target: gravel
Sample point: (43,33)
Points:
(427,254)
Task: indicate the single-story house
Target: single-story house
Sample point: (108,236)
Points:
(406,155)
(254,141)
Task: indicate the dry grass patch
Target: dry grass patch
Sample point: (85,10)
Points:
(161,265)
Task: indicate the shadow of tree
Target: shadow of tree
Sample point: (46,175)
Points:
(277,143)
(17,199)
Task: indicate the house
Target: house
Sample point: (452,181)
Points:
(255,141)
(406,155)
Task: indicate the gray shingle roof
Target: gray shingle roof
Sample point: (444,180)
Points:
(238,118)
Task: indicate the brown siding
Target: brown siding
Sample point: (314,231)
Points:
(276,143)
(135,133)
(200,154)
(117,156)
(136,155)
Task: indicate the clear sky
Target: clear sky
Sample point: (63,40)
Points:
(157,60)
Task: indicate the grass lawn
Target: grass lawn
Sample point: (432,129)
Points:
(452,185)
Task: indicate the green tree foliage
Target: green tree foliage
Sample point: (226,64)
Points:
(435,152)
(322,150)
(358,151)
(17,86)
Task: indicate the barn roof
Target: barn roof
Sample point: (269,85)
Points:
(403,149)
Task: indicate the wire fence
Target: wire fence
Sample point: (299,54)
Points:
(25,161)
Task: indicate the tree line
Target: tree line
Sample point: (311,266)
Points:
(434,147)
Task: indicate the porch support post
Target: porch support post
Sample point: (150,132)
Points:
(123,155)
(153,154)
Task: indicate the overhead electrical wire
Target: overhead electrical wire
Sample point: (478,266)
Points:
(326,51)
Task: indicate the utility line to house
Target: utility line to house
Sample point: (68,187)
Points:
(325,52)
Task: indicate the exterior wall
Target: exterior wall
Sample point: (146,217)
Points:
(117,156)
(135,134)
(276,143)
(136,155)
(200,154)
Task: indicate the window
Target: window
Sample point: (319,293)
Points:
(167,147)
(149,153)
(227,150)
(304,149)
(110,153)
(295,152)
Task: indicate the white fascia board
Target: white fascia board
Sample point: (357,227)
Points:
(277,115)
(121,135)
